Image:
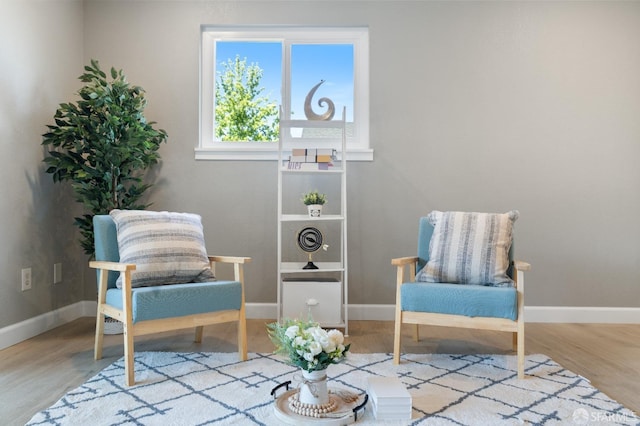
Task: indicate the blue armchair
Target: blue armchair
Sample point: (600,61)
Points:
(442,300)
(151,309)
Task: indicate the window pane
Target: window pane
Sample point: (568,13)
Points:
(292,61)
(248,73)
(311,63)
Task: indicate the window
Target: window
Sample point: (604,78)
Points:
(287,62)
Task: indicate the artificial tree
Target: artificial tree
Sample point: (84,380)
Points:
(104,146)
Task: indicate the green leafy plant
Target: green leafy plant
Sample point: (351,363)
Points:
(103,145)
(314,197)
(243,113)
(307,345)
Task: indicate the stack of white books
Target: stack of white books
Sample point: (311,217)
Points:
(389,398)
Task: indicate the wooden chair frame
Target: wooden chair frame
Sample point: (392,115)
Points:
(447,320)
(140,328)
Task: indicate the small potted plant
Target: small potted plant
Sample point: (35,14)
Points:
(314,201)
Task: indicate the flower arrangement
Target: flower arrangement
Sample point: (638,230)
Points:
(307,345)
(314,197)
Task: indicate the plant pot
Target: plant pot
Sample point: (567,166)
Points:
(315,210)
(313,389)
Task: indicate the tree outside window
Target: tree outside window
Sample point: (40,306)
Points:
(243,112)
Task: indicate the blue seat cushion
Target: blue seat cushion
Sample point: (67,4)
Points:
(176,300)
(457,299)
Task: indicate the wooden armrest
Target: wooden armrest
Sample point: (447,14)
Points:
(401,261)
(112,266)
(229,259)
(521,266)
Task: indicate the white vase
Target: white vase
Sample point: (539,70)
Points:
(313,389)
(315,210)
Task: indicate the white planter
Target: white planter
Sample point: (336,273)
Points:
(315,210)
(313,389)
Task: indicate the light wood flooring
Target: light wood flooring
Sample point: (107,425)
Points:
(36,373)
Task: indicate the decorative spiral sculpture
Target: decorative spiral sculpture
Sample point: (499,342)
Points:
(308,111)
(310,239)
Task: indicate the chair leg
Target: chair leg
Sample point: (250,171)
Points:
(199,332)
(242,336)
(397,338)
(416,333)
(129,371)
(97,349)
(514,341)
(520,350)
(102,294)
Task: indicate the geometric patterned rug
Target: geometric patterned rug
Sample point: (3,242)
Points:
(216,388)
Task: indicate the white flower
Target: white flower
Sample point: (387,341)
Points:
(315,332)
(299,342)
(336,338)
(315,348)
(329,347)
(321,336)
(292,332)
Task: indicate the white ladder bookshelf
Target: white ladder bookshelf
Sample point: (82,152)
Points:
(322,292)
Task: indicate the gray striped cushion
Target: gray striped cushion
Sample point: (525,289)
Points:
(167,248)
(469,248)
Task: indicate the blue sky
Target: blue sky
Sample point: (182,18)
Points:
(309,64)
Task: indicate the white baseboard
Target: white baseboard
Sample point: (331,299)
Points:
(24,330)
(27,329)
(261,310)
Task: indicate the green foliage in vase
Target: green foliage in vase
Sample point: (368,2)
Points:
(314,197)
(104,146)
(306,345)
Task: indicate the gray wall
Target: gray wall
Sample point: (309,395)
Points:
(485,106)
(40,57)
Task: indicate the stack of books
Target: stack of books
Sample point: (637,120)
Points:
(389,398)
(311,159)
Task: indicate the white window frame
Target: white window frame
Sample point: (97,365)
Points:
(358,148)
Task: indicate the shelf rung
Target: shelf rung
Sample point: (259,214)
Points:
(330,171)
(302,124)
(305,218)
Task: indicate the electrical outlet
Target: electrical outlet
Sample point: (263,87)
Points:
(57,273)
(26,279)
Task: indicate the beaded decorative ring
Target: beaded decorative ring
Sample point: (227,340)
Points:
(311,410)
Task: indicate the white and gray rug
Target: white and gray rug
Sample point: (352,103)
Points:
(216,388)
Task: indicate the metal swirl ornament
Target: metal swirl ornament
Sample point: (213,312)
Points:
(310,239)
(308,111)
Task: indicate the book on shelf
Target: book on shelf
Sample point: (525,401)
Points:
(297,165)
(313,155)
(313,151)
(311,159)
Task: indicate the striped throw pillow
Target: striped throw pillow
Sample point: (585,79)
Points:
(167,248)
(469,248)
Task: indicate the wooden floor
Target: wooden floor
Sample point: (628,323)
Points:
(36,373)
